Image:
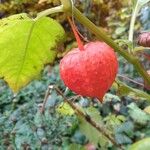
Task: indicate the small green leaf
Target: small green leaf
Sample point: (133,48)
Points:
(120,30)
(65,109)
(112,121)
(122,139)
(93,113)
(26,46)
(147,109)
(126,127)
(141,145)
(135,112)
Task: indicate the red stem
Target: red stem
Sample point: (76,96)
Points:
(146,55)
(74,29)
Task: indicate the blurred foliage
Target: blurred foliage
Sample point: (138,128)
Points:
(23,126)
(142,144)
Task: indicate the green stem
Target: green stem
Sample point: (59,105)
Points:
(67,5)
(132,23)
(100,34)
(137,92)
(49,11)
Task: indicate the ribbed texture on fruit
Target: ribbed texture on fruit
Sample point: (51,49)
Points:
(90,72)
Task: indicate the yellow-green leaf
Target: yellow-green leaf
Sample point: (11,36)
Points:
(141,145)
(65,109)
(147,109)
(26,45)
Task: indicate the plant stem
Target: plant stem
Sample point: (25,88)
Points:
(67,5)
(131,80)
(74,29)
(49,11)
(137,92)
(99,127)
(48,91)
(131,30)
(100,34)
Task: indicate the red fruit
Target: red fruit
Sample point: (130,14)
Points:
(90,72)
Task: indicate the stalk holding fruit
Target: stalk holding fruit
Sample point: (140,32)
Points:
(89,70)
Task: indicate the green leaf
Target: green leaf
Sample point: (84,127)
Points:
(125,90)
(74,147)
(93,113)
(120,30)
(135,112)
(122,139)
(26,46)
(142,144)
(147,109)
(65,109)
(89,131)
(126,127)
(112,121)
(110,97)
(124,132)
(24,135)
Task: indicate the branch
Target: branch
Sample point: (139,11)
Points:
(101,35)
(49,11)
(131,80)
(132,23)
(78,112)
(129,89)
(47,93)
